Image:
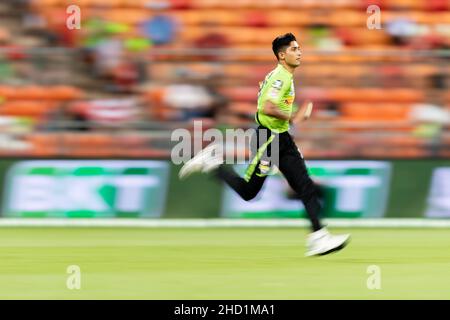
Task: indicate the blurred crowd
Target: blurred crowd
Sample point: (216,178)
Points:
(135,69)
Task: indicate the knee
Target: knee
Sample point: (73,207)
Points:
(249,195)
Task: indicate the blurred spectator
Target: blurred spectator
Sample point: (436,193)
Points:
(430,113)
(107,56)
(432,38)
(108,112)
(345,36)
(331,110)
(6,70)
(194,100)
(438,78)
(430,120)
(218,100)
(401,30)
(125,77)
(137,48)
(211,39)
(323,38)
(137,44)
(93,30)
(75,113)
(37,26)
(12,51)
(160,29)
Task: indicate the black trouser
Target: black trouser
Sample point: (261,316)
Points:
(279,150)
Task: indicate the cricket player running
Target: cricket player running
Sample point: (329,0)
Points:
(275,148)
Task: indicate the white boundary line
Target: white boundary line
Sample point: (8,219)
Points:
(223,223)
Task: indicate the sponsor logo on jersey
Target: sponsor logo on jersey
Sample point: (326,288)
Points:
(289,101)
(278,84)
(273,93)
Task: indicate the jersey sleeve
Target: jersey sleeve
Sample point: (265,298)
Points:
(277,88)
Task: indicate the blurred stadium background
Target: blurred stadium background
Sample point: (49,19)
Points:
(136,70)
(86,117)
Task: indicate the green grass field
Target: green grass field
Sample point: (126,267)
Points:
(220,264)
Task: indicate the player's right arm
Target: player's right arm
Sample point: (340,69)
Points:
(274,111)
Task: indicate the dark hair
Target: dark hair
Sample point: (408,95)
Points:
(280,43)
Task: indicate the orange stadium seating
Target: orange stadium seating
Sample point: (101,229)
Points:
(366,88)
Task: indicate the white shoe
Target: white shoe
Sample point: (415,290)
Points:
(206,160)
(322,242)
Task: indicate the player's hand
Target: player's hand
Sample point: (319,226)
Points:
(304,113)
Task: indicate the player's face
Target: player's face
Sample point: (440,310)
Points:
(293,54)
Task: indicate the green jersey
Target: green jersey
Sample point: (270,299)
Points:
(278,88)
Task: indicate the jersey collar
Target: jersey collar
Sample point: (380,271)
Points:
(284,70)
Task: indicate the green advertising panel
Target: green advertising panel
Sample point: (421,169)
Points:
(352,189)
(438,201)
(152,189)
(86,188)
